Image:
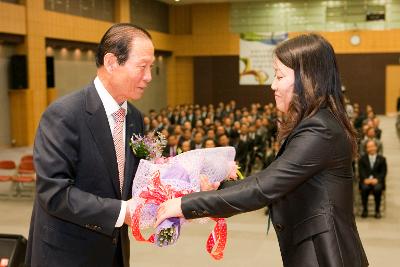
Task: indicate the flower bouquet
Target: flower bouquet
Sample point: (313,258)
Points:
(148,147)
(161,179)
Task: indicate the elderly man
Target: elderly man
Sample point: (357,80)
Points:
(372,171)
(83,161)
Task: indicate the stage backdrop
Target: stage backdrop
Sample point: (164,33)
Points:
(216,78)
(256,52)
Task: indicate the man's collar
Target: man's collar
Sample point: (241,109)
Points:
(109,103)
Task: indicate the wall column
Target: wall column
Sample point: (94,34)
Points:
(27,105)
(180,81)
(36,55)
(122,11)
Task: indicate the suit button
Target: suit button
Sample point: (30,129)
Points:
(279,227)
(114,241)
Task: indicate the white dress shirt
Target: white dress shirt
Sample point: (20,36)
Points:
(111,106)
(372,159)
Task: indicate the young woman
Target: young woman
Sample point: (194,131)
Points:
(309,186)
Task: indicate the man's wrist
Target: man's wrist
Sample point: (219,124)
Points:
(121,216)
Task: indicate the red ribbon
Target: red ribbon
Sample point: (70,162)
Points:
(158,193)
(218,236)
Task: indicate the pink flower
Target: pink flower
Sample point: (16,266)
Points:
(161,160)
(233,171)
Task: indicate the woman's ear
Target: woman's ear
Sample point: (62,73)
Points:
(110,62)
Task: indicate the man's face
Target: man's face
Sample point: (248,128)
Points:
(209,144)
(187,134)
(187,125)
(172,140)
(244,130)
(220,130)
(223,140)
(211,134)
(185,146)
(177,130)
(130,79)
(371,133)
(371,148)
(198,138)
(228,122)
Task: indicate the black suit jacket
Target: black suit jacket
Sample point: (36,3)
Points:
(398,104)
(378,170)
(193,145)
(78,198)
(309,190)
(242,150)
(166,151)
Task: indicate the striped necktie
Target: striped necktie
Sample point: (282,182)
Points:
(119,117)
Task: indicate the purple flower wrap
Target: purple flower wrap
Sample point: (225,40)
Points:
(168,232)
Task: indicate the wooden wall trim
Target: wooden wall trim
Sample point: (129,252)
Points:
(382,41)
(13,19)
(392,88)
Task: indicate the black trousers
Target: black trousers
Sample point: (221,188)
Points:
(118,259)
(376,190)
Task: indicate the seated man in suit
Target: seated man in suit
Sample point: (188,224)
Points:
(270,154)
(243,148)
(171,150)
(372,170)
(209,143)
(197,141)
(370,134)
(223,140)
(185,147)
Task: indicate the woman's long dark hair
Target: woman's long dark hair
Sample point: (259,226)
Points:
(317,83)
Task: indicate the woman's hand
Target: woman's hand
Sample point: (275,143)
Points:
(205,184)
(169,209)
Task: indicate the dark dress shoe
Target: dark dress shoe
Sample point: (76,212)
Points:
(364,214)
(378,215)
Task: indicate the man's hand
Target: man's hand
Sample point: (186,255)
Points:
(374,181)
(205,184)
(371,181)
(130,209)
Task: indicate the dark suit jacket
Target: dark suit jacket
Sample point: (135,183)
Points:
(268,159)
(78,198)
(378,170)
(166,151)
(242,151)
(309,190)
(398,104)
(193,145)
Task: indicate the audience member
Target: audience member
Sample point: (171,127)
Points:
(171,149)
(185,147)
(223,140)
(370,135)
(372,171)
(209,143)
(197,142)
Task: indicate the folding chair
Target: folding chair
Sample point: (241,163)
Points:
(25,176)
(7,171)
(28,157)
